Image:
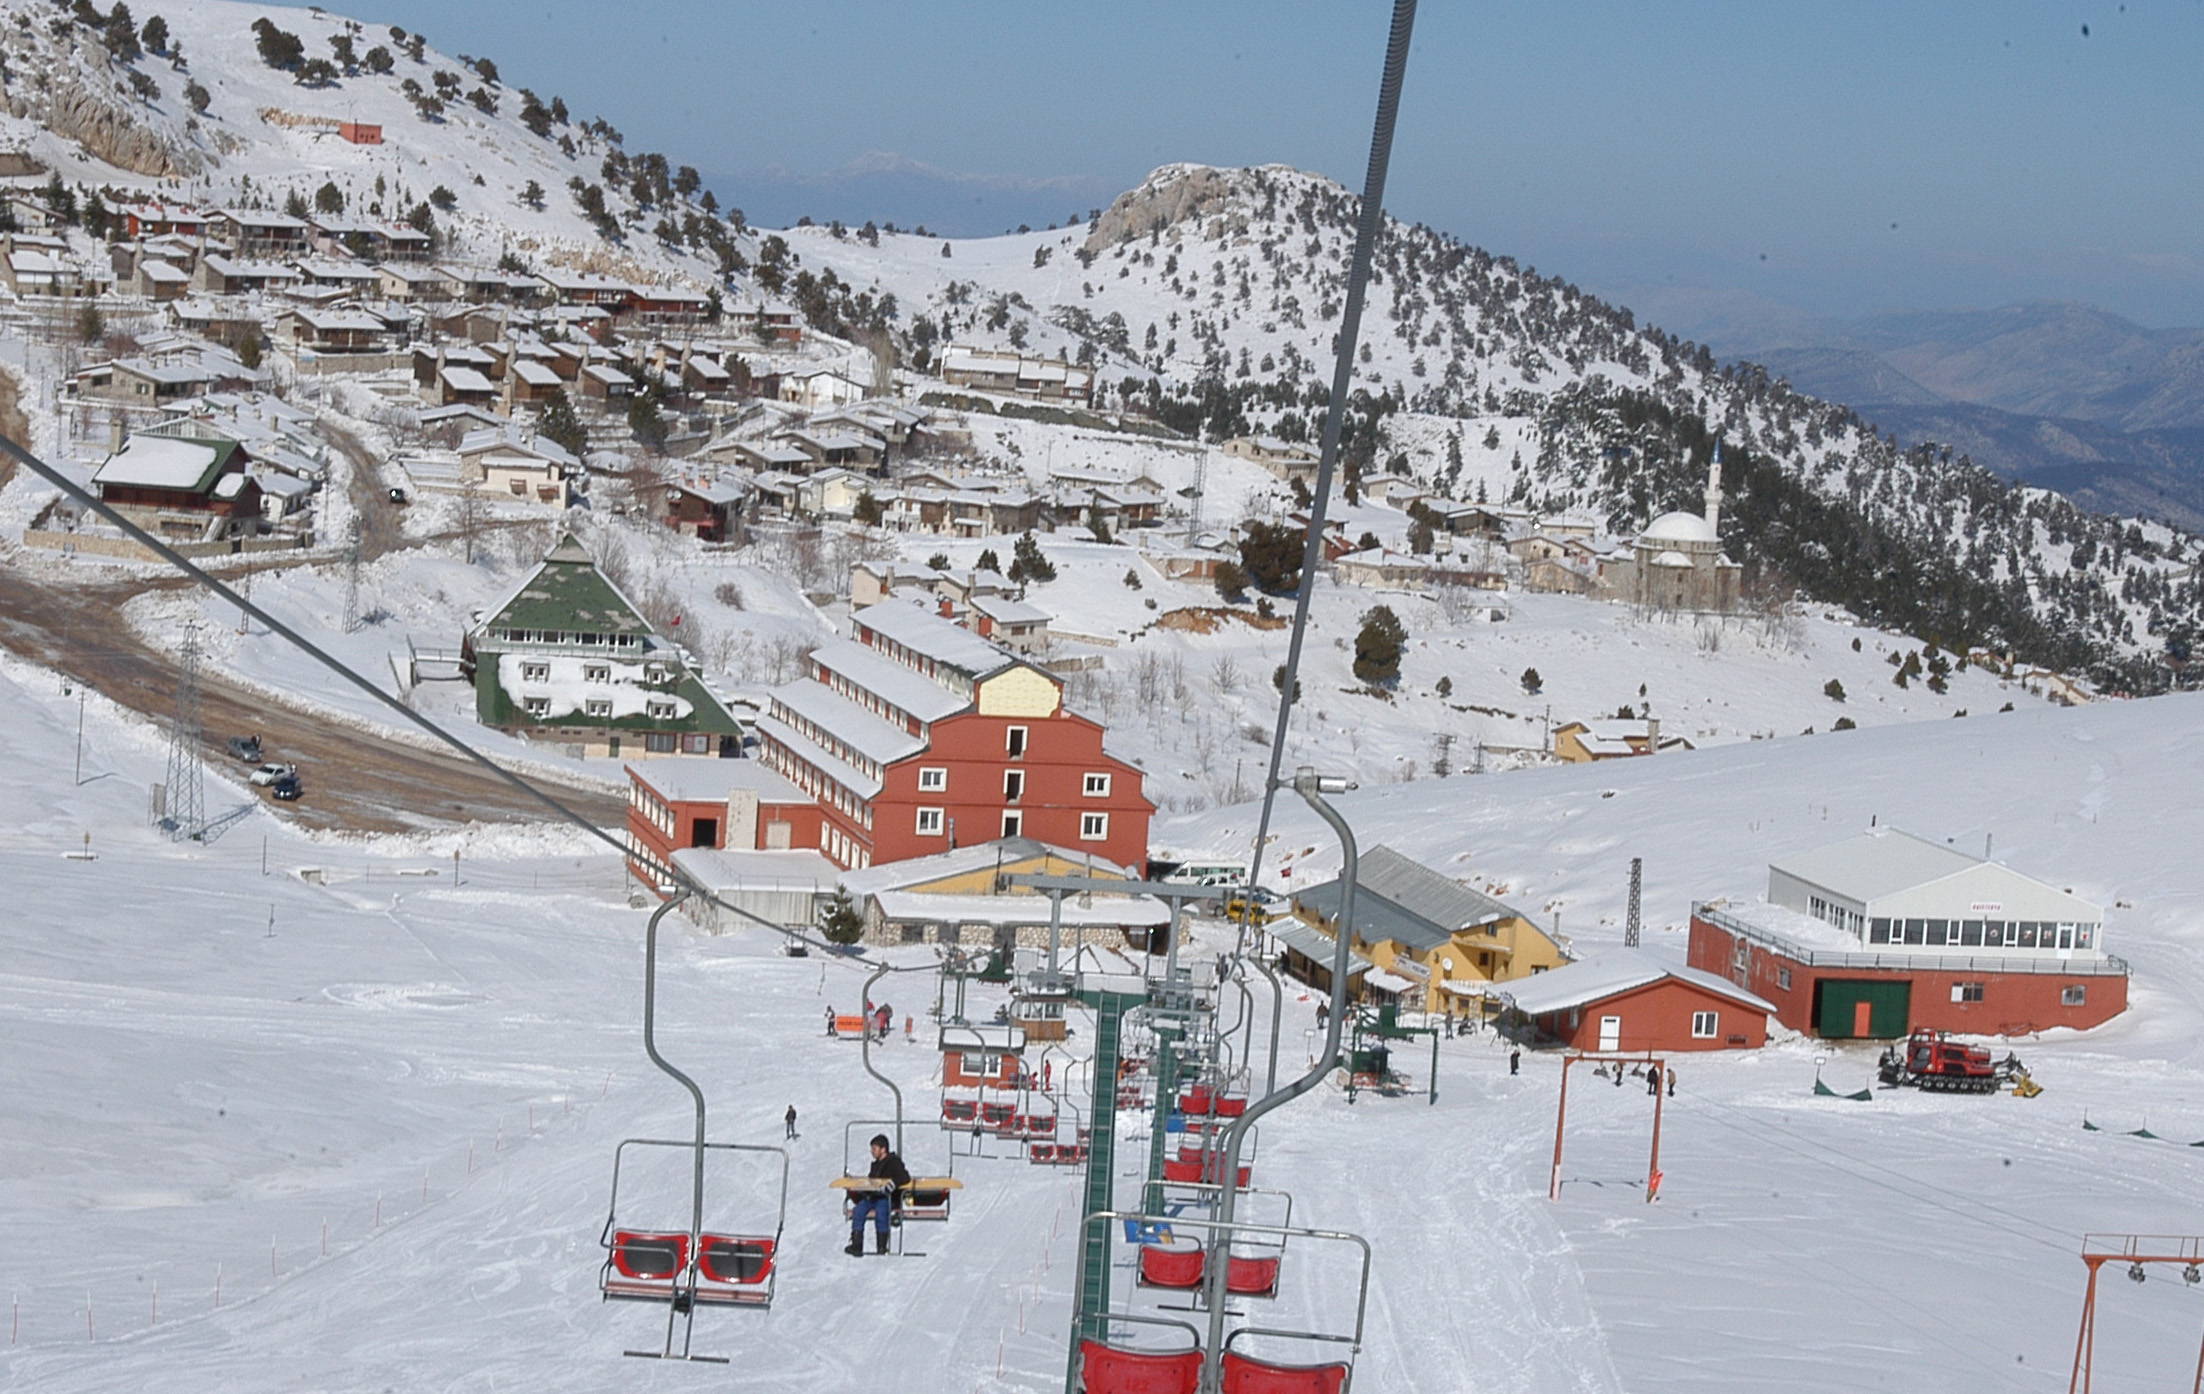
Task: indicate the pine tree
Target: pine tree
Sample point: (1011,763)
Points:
(560,426)
(989,561)
(1532,683)
(1027,563)
(842,923)
(1378,646)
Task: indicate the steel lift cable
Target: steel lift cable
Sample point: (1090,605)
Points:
(1350,331)
(298,641)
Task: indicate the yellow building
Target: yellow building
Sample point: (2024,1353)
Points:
(966,897)
(1432,943)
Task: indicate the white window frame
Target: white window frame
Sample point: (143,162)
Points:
(1783,979)
(1094,827)
(535,672)
(1017,740)
(2074,995)
(596,672)
(597,706)
(1705,1026)
(933,779)
(1013,780)
(1013,823)
(663,711)
(1095,785)
(932,822)
(538,706)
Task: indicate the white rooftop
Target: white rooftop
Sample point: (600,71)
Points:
(1604,975)
(702,781)
(932,636)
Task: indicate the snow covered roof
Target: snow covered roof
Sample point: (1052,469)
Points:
(933,637)
(1105,912)
(915,871)
(870,736)
(609,376)
(460,379)
(1875,863)
(1407,902)
(508,439)
(717,491)
(165,462)
(1604,975)
(1003,610)
(818,757)
(1314,943)
(722,869)
(568,594)
(693,781)
(1679,527)
(898,686)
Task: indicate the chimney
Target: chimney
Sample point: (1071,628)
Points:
(1652,735)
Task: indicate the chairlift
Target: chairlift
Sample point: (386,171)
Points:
(683,1266)
(926,1197)
(1115,1365)
(1170,1261)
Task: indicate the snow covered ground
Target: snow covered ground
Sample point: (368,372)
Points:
(205,1064)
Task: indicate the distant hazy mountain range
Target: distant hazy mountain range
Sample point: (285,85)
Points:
(2064,395)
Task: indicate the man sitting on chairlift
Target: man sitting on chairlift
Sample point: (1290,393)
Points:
(883,1203)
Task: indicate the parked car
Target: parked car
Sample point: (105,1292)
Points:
(287,788)
(246,748)
(267,775)
(398,496)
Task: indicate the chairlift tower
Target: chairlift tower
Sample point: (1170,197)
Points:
(352,580)
(1630,925)
(187,805)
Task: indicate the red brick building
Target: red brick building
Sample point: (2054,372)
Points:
(1630,1002)
(1885,932)
(917,736)
(728,805)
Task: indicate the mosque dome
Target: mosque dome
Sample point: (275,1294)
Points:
(1680,527)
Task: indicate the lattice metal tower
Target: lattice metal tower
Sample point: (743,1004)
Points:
(1637,880)
(352,580)
(187,799)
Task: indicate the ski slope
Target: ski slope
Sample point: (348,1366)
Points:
(203,1061)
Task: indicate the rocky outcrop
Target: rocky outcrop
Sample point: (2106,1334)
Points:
(102,123)
(1173,194)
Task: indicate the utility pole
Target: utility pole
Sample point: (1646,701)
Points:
(351,580)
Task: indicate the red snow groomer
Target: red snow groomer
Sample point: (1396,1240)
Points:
(1933,1060)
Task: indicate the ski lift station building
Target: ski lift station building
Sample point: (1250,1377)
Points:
(1886,932)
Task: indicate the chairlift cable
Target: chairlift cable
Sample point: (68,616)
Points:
(1350,327)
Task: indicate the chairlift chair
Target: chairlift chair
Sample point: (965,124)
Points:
(717,1264)
(926,1198)
(1114,1366)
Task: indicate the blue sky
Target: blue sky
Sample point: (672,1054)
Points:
(1841,158)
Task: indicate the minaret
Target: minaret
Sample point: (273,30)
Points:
(1714,491)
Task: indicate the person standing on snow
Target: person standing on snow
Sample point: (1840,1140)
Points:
(791,1121)
(882,1202)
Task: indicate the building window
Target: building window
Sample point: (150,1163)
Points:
(1970,932)
(659,743)
(1096,786)
(932,780)
(2074,995)
(535,672)
(1013,785)
(518,486)
(1783,979)
(1013,824)
(596,672)
(1966,992)
(1878,931)
(663,711)
(929,822)
(696,745)
(1014,742)
(539,706)
(1094,827)
(1703,1025)
(597,706)
(2083,935)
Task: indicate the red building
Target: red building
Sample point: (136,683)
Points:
(737,805)
(1630,1002)
(917,736)
(1885,932)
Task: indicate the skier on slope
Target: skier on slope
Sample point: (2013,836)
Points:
(882,1203)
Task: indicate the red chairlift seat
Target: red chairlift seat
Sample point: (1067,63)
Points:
(644,1264)
(960,1110)
(1178,1269)
(1044,1152)
(926,1204)
(1244,1374)
(997,1116)
(1176,1170)
(1111,1370)
(735,1269)
(1197,1100)
(1231,1105)
(1251,1277)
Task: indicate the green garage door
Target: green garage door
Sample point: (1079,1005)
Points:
(1838,1004)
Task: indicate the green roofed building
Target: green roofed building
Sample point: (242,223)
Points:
(567,659)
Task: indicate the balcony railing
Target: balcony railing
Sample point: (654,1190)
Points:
(2081,964)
